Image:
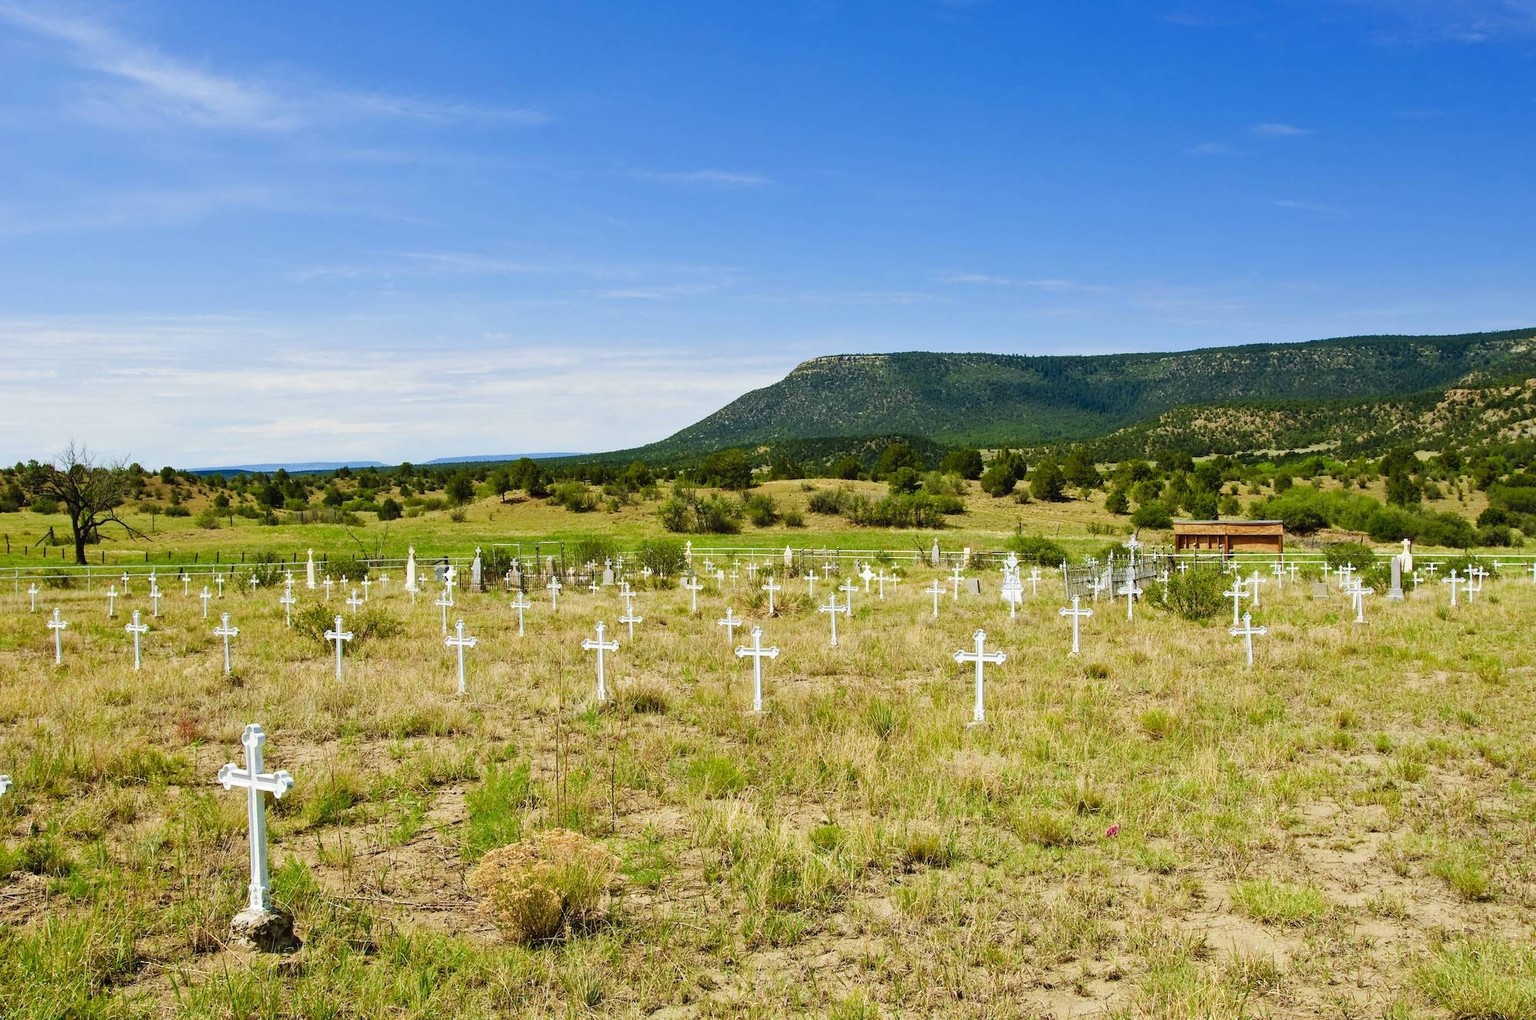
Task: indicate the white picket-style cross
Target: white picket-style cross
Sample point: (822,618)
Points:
(1454,582)
(111,602)
(1034,582)
(328,584)
(339,637)
(225,631)
(600,646)
(57,626)
(154,599)
(810,583)
(1277,569)
(833,609)
(186,584)
(848,588)
(1236,593)
(218,579)
(460,642)
(880,579)
(1077,613)
(730,623)
(980,657)
(1247,632)
(771,587)
(955,578)
(694,586)
(553,587)
(445,603)
(353,602)
(288,602)
(520,603)
(205,596)
(367,589)
(256,782)
(758,653)
(126,578)
(936,589)
(32,591)
(255,582)
(136,629)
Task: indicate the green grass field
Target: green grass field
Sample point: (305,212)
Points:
(1150,829)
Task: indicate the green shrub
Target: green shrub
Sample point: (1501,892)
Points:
(1193,595)
(1036,549)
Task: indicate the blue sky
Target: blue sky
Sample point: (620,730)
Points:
(294,231)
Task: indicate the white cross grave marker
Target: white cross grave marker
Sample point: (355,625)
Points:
(126,578)
(773,586)
(328,583)
(980,657)
(1247,632)
(154,600)
(553,587)
(1034,581)
(600,646)
(256,782)
(255,582)
(1077,613)
(630,618)
(521,603)
(694,586)
(1130,590)
(1254,582)
(111,602)
(57,626)
(340,637)
(288,602)
(32,591)
(730,623)
(353,602)
(205,596)
(936,589)
(1236,593)
(136,629)
(445,603)
(758,653)
(460,642)
(810,582)
(848,588)
(834,609)
(186,584)
(218,579)
(1454,582)
(225,631)
(367,585)
(1357,594)
(955,577)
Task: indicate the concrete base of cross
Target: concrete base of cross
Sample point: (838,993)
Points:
(266,931)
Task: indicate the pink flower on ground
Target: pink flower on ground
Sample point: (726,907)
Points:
(1112,831)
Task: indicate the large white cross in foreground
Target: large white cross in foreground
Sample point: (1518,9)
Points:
(340,637)
(757,652)
(980,657)
(57,626)
(136,629)
(600,646)
(460,642)
(256,782)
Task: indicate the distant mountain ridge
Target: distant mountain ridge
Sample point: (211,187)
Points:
(991,400)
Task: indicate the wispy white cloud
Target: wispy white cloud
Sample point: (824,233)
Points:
(386,400)
(136,84)
(1273,130)
(1050,285)
(727,180)
(1457,21)
(1209,149)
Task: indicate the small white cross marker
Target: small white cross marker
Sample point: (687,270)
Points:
(600,646)
(936,589)
(1078,614)
(32,591)
(205,596)
(57,626)
(1247,632)
(460,642)
(339,637)
(445,603)
(694,587)
(288,602)
(521,603)
(225,631)
(554,587)
(136,629)
(833,609)
(1236,593)
(758,653)
(353,602)
(980,657)
(730,623)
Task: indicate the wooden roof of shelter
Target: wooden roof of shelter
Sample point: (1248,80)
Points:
(1229,527)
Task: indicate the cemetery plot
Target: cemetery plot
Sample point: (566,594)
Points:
(1146,827)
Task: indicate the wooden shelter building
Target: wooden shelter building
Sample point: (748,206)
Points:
(1228,537)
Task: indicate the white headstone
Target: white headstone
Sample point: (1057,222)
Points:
(309,571)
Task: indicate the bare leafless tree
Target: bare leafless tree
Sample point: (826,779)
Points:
(90,490)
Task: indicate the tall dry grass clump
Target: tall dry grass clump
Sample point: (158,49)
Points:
(537,888)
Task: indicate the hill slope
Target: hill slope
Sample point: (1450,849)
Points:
(996,399)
